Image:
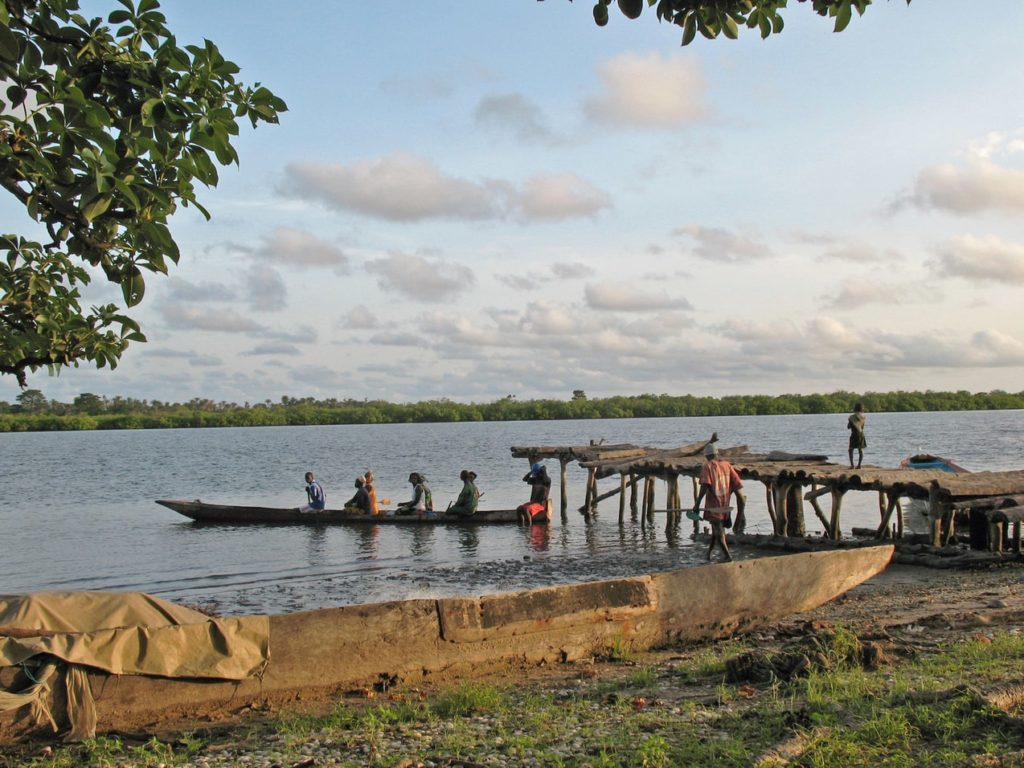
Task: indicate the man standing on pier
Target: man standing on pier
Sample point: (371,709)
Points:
(718,481)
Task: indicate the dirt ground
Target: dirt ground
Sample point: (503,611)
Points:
(918,604)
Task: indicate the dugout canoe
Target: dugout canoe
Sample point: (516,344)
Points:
(229,514)
(319,655)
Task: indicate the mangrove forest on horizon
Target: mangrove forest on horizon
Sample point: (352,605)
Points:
(33,412)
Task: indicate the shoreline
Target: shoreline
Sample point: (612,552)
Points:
(904,612)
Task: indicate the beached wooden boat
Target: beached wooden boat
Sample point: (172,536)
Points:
(145,678)
(229,514)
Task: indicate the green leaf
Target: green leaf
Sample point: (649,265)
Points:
(729,27)
(97,207)
(133,287)
(690,28)
(8,45)
(843,15)
(15,95)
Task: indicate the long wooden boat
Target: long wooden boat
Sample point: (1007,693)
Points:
(320,654)
(229,514)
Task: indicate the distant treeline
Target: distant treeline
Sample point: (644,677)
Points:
(33,412)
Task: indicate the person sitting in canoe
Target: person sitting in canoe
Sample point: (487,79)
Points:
(371,488)
(317,499)
(469,497)
(536,509)
(422,502)
(360,503)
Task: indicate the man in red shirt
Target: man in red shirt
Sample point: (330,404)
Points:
(718,481)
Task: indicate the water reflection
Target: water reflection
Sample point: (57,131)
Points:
(540,537)
(422,540)
(469,541)
(368,542)
(316,544)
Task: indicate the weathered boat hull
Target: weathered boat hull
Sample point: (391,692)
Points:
(318,653)
(228,514)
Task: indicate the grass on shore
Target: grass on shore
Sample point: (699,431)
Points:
(926,706)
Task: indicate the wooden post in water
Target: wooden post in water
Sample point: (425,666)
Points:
(588,501)
(769,493)
(674,502)
(563,462)
(632,494)
(781,493)
(622,497)
(796,526)
(651,480)
(883,528)
(837,505)
(812,499)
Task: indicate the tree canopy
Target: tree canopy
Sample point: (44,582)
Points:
(106,126)
(714,17)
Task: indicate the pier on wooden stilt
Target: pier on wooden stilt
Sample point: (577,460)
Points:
(992,503)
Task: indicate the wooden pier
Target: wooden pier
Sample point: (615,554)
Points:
(993,502)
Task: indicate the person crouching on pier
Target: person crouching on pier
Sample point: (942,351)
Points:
(536,509)
(718,481)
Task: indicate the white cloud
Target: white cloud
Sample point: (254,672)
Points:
(399,187)
(420,279)
(296,247)
(980,259)
(205,318)
(856,292)
(629,298)
(723,246)
(273,348)
(304,334)
(861,253)
(519,282)
(987,181)
(560,196)
(571,270)
(404,187)
(650,91)
(265,289)
(360,318)
(514,114)
(980,186)
(183,290)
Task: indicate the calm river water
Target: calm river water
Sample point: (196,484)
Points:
(77,511)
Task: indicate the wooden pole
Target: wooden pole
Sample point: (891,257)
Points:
(588,501)
(837,506)
(883,528)
(563,462)
(812,499)
(622,497)
(651,480)
(769,492)
(796,526)
(632,494)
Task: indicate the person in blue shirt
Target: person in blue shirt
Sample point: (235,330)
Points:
(315,494)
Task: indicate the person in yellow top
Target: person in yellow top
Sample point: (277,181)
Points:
(371,490)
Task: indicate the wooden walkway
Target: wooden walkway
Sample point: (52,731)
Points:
(994,501)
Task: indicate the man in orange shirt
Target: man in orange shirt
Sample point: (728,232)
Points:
(718,481)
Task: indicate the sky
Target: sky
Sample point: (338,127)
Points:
(470,200)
